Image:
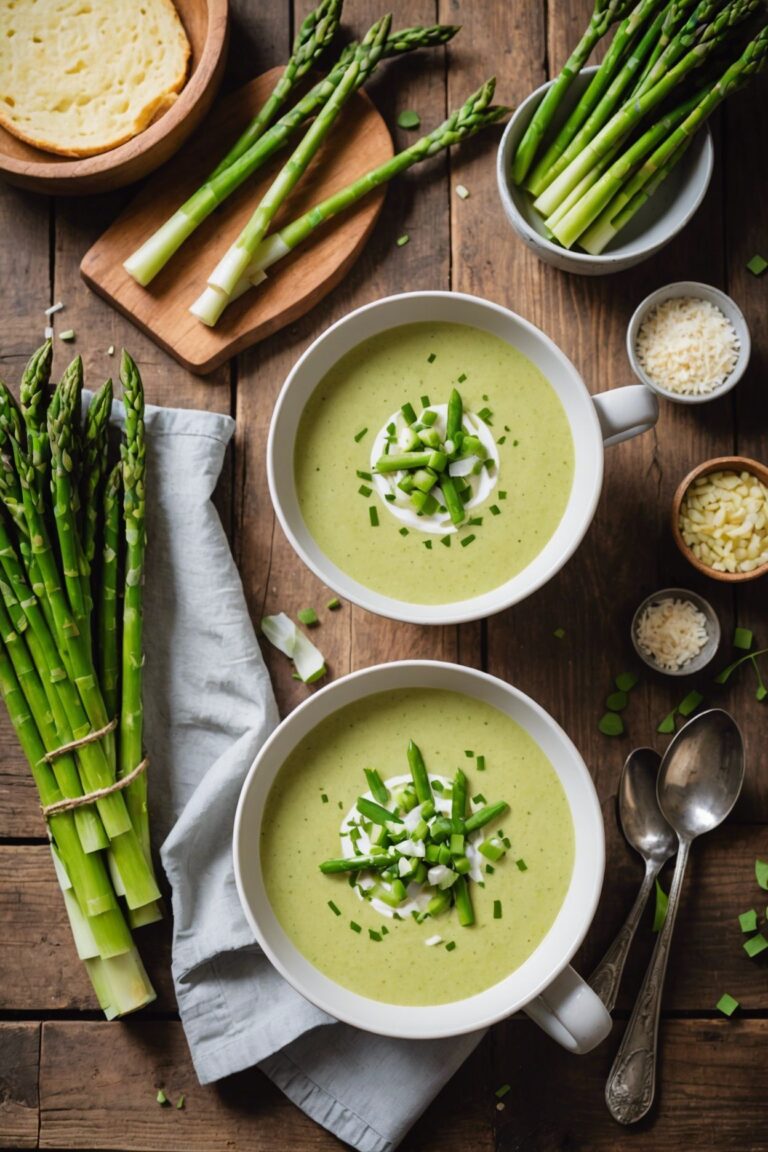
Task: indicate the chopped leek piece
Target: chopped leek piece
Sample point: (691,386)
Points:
(402,240)
(409,119)
(660,910)
(727,1004)
(334,604)
(501,1092)
(757,264)
(755,945)
(743,638)
(625,681)
(761,874)
(161,1097)
(611,724)
(307,616)
(334,908)
(748,921)
(617,701)
(559,633)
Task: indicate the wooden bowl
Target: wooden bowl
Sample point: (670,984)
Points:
(718,464)
(205,22)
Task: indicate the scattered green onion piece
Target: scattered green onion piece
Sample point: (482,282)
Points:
(427,543)
(428,418)
(480,764)
(373,516)
(446,541)
(334,604)
(324,798)
(359,435)
(402,240)
(469,753)
(354,926)
(559,633)
(625,681)
(409,415)
(334,908)
(611,724)
(161,1097)
(431,358)
(449,947)
(479,799)
(67,336)
(667,725)
(755,945)
(690,703)
(364,490)
(660,908)
(424,401)
(501,440)
(521,865)
(180,1101)
(467,540)
(748,921)
(485,415)
(502,495)
(308,616)
(361,475)
(743,638)
(761,874)
(489,869)
(757,264)
(495,510)
(404,532)
(727,1004)
(497,909)
(374,935)
(501,1092)
(492,849)
(617,701)
(408,119)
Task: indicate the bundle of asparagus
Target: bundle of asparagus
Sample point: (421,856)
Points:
(244,263)
(71,654)
(670,64)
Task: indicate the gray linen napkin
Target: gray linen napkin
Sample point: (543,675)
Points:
(209,707)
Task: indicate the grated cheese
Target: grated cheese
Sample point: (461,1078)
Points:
(687,346)
(672,633)
(724,521)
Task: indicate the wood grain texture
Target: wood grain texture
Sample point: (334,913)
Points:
(205,22)
(19,1063)
(358,142)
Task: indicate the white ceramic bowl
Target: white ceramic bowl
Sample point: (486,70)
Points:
(701,292)
(595,421)
(546,968)
(665,214)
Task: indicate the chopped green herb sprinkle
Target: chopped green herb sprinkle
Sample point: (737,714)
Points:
(501,440)
(757,264)
(374,935)
(748,921)
(667,725)
(468,753)
(408,119)
(427,543)
(431,358)
(334,604)
(521,864)
(515,443)
(497,909)
(611,724)
(755,945)
(402,240)
(404,532)
(743,638)
(479,799)
(489,869)
(462,378)
(449,947)
(617,701)
(424,401)
(502,1091)
(354,926)
(506,841)
(384,930)
(373,516)
(495,510)
(761,874)
(690,703)
(625,681)
(485,415)
(480,764)
(408,412)
(363,475)
(359,435)
(467,540)
(308,616)
(161,1097)
(727,1004)
(324,798)
(390,498)
(180,1101)
(475,521)
(334,908)
(446,540)
(559,633)
(502,495)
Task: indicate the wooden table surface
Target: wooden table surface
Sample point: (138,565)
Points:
(70,1080)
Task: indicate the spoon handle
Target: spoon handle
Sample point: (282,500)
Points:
(606,978)
(631,1082)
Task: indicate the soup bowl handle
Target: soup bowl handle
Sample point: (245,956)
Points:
(571,1013)
(626,412)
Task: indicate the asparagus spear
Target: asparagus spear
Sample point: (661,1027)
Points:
(232,266)
(475,114)
(34,382)
(107,601)
(314,36)
(709,21)
(663,159)
(153,255)
(674,16)
(63,419)
(545,170)
(94,466)
(605,13)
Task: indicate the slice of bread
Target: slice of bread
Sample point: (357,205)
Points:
(78,77)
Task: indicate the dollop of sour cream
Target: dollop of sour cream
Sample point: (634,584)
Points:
(418,895)
(482,483)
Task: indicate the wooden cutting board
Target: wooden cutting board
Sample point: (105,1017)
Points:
(360,140)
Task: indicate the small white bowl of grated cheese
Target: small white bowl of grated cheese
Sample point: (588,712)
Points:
(688,342)
(676,632)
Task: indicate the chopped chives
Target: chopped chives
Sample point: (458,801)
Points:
(497,909)
(424,401)
(479,799)
(408,413)
(324,798)
(506,842)
(308,616)
(390,498)
(502,1091)
(502,495)
(480,764)
(501,440)
(757,264)
(334,908)
(755,945)
(431,358)
(334,604)
(373,516)
(748,921)
(489,869)
(467,540)
(384,930)
(743,638)
(761,874)
(446,540)
(462,378)
(660,908)
(404,532)
(361,475)
(474,521)
(427,543)
(437,785)
(559,633)
(468,753)
(391,429)
(485,397)
(485,415)
(507,428)
(359,435)
(727,1004)
(495,510)
(374,935)
(402,240)
(354,926)
(515,443)
(521,864)
(450,946)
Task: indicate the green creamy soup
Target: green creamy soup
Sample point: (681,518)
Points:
(350,520)
(321,781)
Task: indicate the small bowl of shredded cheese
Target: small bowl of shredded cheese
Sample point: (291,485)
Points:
(676,632)
(688,342)
(720,518)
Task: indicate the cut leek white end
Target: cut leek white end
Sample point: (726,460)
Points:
(283,634)
(209,305)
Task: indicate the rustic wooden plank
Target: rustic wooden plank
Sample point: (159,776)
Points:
(98,1087)
(41,971)
(19,1055)
(629,550)
(275,580)
(711,1091)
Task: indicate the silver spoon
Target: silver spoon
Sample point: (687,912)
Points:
(650,835)
(699,782)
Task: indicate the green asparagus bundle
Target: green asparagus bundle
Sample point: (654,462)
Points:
(259,142)
(63,531)
(636,118)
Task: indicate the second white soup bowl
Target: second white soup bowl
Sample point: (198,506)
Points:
(595,421)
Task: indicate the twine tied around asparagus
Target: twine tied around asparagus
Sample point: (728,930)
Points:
(70,802)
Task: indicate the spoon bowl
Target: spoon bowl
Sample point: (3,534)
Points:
(701,774)
(642,821)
